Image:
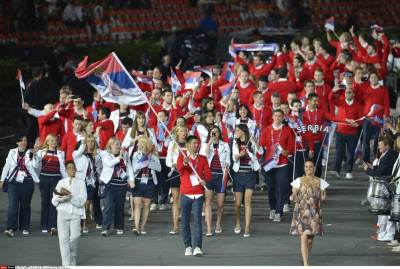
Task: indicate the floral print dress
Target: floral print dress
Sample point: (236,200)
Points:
(307,213)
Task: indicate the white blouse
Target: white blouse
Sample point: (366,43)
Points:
(322,183)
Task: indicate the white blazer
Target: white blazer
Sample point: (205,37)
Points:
(255,165)
(11,164)
(75,205)
(37,161)
(203,133)
(224,153)
(128,138)
(82,163)
(172,154)
(114,116)
(109,161)
(154,166)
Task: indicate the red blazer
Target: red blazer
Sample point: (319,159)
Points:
(346,111)
(202,168)
(106,132)
(315,124)
(283,87)
(246,94)
(379,96)
(264,70)
(68,145)
(48,124)
(283,137)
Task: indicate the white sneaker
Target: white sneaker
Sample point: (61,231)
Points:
(277,217)
(120,232)
(349,176)
(358,161)
(188,251)
(44,231)
(98,227)
(162,207)
(286,208)
(272,214)
(396,249)
(197,252)
(25,232)
(393,243)
(334,173)
(153,207)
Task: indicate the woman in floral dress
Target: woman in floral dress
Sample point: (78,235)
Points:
(307,193)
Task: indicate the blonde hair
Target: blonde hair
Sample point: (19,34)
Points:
(175,135)
(110,142)
(91,137)
(146,144)
(45,144)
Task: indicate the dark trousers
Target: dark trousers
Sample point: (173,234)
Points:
(48,215)
(369,132)
(114,200)
(162,187)
(278,187)
(19,204)
(187,205)
(98,215)
(318,156)
(345,146)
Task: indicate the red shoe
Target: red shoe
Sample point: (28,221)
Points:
(374,237)
(375,226)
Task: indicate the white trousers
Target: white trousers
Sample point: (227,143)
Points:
(387,228)
(69,230)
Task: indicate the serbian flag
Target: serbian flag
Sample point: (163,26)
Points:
(142,78)
(224,179)
(143,162)
(358,151)
(330,24)
(234,48)
(112,80)
(272,157)
(19,78)
(191,79)
(175,83)
(227,88)
(227,72)
(205,69)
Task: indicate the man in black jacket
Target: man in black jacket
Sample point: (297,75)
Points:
(383,167)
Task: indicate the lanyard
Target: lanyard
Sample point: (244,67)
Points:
(272,136)
(316,116)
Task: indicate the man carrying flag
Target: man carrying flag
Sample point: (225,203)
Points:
(376,106)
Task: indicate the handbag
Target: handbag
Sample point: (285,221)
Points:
(102,190)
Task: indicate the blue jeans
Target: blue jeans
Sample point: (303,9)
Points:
(278,187)
(162,187)
(114,200)
(369,132)
(345,144)
(19,204)
(187,205)
(48,215)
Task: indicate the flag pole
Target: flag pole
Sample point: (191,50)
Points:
(162,123)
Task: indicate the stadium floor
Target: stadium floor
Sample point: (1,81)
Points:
(347,224)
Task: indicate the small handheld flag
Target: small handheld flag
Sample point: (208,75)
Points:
(21,83)
(330,24)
